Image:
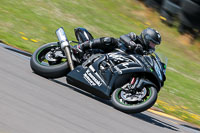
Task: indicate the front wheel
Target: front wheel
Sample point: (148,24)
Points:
(134,103)
(49,61)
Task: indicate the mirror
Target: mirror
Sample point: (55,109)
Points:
(82,35)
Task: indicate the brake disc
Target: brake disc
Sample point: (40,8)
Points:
(53,56)
(138,96)
(50,57)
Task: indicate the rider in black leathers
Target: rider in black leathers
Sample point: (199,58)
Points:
(142,44)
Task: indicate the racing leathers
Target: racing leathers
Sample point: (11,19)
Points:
(128,42)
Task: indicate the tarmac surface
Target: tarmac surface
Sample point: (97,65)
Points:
(32,104)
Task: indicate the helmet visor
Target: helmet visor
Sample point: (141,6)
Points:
(147,37)
(152,44)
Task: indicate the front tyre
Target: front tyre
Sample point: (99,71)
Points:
(49,62)
(120,103)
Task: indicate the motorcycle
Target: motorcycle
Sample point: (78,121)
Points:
(130,81)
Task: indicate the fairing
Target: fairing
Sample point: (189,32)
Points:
(102,73)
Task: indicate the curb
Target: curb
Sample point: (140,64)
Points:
(154,111)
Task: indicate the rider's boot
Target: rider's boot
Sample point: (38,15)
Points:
(104,43)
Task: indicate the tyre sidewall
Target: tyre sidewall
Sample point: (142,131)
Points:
(54,71)
(135,108)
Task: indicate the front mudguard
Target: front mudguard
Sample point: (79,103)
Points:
(143,83)
(127,73)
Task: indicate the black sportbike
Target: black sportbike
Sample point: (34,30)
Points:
(130,81)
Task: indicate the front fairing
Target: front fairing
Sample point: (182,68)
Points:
(102,73)
(158,63)
(163,60)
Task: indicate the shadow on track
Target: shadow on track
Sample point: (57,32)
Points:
(155,121)
(191,127)
(141,116)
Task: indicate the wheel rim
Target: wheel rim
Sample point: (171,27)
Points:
(128,103)
(41,59)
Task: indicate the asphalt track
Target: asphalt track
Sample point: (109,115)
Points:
(32,104)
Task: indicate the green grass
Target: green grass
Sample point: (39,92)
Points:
(38,20)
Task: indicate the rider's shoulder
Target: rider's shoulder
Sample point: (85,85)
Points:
(132,36)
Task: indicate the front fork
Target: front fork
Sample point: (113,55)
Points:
(139,84)
(65,46)
(132,86)
(66,49)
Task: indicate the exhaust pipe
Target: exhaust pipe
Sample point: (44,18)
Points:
(65,46)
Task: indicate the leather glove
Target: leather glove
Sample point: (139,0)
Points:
(132,45)
(139,49)
(132,36)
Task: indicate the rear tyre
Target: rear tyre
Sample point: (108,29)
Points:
(136,106)
(49,69)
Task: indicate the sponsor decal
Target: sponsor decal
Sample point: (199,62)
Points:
(118,57)
(91,79)
(87,78)
(126,64)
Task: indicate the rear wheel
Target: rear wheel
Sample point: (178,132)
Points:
(134,103)
(49,61)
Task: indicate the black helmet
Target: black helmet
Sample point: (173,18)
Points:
(149,36)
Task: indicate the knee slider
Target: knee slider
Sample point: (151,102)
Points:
(107,40)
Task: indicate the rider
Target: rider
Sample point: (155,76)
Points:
(142,44)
